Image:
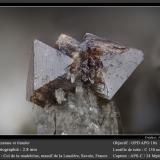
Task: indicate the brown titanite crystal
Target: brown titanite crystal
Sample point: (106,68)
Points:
(67,45)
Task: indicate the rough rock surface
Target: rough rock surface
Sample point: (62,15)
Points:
(82,114)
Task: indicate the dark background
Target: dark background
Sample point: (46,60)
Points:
(138,27)
(79,1)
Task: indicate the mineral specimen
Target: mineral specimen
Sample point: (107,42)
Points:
(98,63)
(69,81)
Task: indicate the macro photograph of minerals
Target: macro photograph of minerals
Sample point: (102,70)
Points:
(80,70)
